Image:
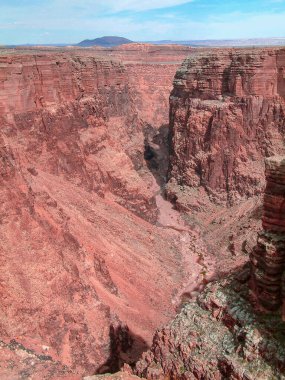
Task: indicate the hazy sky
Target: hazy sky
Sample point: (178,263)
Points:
(70,21)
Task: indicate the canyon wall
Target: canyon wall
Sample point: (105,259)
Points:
(226,114)
(77,266)
(81,253)
(66,115)
(31,82)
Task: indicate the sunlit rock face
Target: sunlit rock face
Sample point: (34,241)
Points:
(87,275)
(226,114)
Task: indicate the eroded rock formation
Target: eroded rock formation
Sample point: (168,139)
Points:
(224,334)
(268,256)
(218,336)
(226,114)
(78,255)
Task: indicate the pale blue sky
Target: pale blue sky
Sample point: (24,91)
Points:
(70,21)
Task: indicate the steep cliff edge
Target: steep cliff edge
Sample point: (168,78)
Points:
(227,113)
(77,266)
(219,336)
(268,256)
(94,259)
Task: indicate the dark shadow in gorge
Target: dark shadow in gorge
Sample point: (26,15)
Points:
(156,152)
(125,347)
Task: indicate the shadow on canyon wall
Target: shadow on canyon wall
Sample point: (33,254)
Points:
(125,347)
(156,152)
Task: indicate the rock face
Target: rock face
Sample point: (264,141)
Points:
(72,103)
(78,255)
(218,337)
(20,362)
(226,114)
(224,334)
(151,70)
(268,256)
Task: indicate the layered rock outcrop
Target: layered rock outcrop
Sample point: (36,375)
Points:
(77,267)
(218,336)
(226,114)
(31,82)
(268,256)
(65,113)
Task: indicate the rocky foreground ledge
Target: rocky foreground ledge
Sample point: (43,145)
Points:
(218,337)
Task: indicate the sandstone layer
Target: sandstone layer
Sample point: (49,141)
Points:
(226,114)
(94,258)
(268,256)
(224,333)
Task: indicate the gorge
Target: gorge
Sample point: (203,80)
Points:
(128,198)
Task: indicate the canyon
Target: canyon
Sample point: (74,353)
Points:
(132,185)
(234,329)
(75,187)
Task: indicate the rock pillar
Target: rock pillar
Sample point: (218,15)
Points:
(268,256)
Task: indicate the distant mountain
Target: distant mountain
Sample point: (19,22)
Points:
(108,41)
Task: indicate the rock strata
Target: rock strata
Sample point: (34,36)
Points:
(219,336)
(86,274)
(226,114)
(66,114)
(268,256)
(78,255)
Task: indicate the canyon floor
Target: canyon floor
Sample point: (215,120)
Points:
(122,196)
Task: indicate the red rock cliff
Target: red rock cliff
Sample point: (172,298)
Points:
(30,82)
(227,113)
(267,257)
(76,265)
(73,114)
